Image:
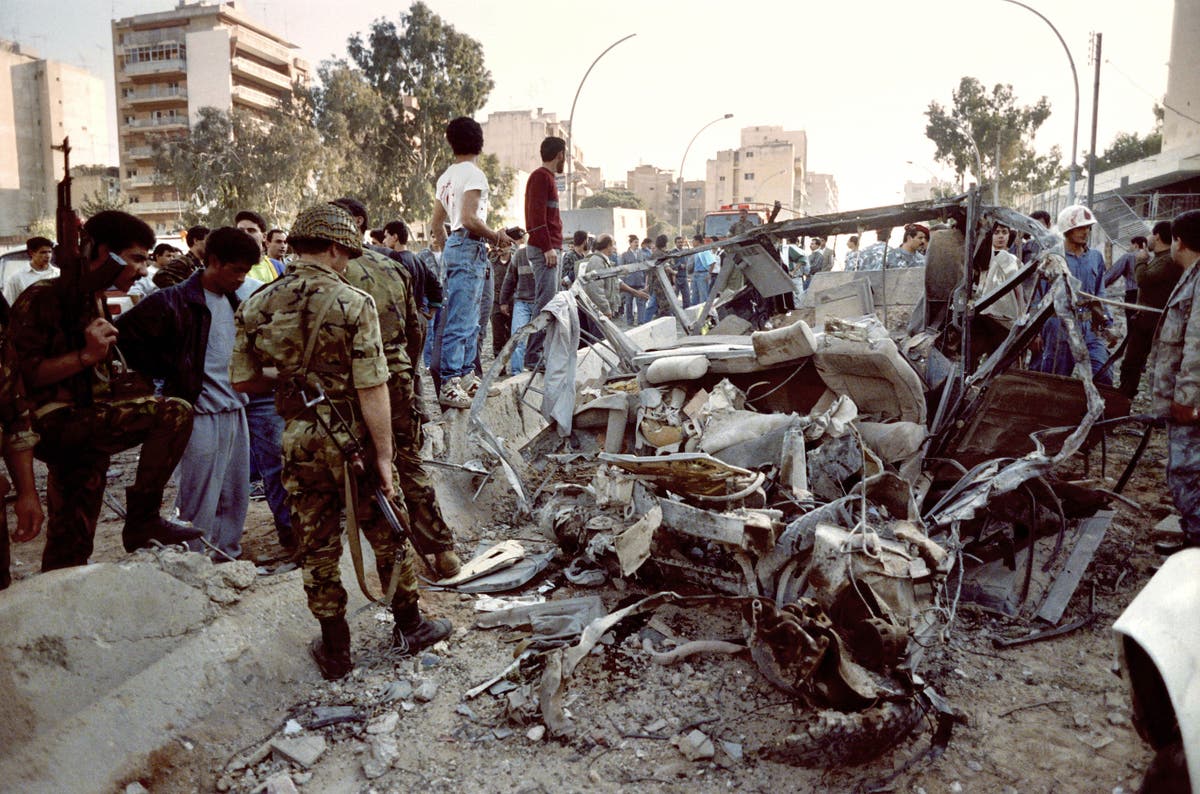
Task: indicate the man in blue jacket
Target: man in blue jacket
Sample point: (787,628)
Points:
(184,335)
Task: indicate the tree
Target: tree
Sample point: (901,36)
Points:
(613,197)
(102,200)
(425,59)
(234,161)
(996,124)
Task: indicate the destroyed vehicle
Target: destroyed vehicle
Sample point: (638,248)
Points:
(840,472)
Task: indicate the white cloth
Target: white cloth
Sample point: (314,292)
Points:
(560,352)
(20,281)
(456,181)
(1003,267)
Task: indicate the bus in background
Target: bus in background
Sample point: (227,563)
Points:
(717,223)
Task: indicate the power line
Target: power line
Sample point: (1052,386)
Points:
(1136,85)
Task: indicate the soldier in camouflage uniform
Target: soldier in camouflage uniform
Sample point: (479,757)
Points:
(1175,376)
(19,440)
(319,332)
(86,407)
(659,305)
(390,283)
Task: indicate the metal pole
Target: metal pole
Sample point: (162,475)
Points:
(1095,109)
(571,123)
(1075,78)
(684,160)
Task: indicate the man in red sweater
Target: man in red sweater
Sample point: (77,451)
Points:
(544,224)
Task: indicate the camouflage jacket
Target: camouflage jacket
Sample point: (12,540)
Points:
(1175,368)
(14,411)
(655,288)
(390,283)
(273,329)
(177,270)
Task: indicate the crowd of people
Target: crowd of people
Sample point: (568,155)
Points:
(293,358)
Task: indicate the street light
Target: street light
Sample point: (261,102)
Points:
(684,160)
(1075,77)
(571,122)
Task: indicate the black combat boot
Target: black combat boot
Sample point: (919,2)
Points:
(144,524)
(331,651)
(413,632)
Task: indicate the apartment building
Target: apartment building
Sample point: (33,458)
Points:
(770,165)
(168,66)
(515,137)
(821,194)
(41,102)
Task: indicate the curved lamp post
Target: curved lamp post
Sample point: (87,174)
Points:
(684,160)
(571,122)
(1075,77)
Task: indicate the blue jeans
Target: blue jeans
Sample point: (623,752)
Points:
(699,287)
(466,264)
(522,312)
(432,338)
(266,457)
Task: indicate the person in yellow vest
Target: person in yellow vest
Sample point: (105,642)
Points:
(254,225)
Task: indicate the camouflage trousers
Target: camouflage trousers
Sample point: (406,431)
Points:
(428,525)
(5,554)
(316,495)
(1183,477)
(76,444)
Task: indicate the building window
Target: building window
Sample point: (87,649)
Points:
(720,179)
(129,121)
(748,176)
(748,199)
(131,172)
(749,155)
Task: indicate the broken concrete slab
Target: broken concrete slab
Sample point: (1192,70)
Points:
(425,691)
(383,723)
(695,746)
(302,750)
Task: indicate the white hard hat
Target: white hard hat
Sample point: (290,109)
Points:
(1074,216)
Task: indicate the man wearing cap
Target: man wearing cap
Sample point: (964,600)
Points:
(1175,376)
(312,336)
(1087,265)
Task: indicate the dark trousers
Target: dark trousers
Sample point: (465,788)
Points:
(545,280)
(76,445)
(1140,332)
(427,524)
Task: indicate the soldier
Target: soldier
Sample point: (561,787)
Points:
(660,305)
(86,407)
(19,440)
(742,225)
(1175,377)
(322,336)
(390,284)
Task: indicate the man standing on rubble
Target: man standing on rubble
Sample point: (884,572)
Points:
(1155,279)
(343,366)
(543,224)
(1175,376)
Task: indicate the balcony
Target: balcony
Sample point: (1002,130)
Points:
(166,121)
(156,94)
(142,180)
(144,208)
(139,153)
(172,65)
(145,38)
(262,46)
(247,68)
(252,96)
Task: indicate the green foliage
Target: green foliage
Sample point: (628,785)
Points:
(613,197)
(500,187)
(996,123)
(426,58)
(234,161)
(103,200)
(1128,147)
(656,226)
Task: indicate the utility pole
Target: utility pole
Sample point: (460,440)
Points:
(1095,54)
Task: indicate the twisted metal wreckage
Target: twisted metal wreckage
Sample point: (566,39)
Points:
(797,481)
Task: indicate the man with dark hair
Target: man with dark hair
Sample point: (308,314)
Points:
(702,263)
(634,307)
(180,268)
(343,360)
(426,290)
(683,269)
(743,223)
(1124,266)
(389,283)
(543,223)
(659,305)
(277,249)
(577,253)
(184,335)
(1175,376)
(1155,279)
(462,202)
(40,250)
(853,254)
(84,405)
(1031,247)
(255,225)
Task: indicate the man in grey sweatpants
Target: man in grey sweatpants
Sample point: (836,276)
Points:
(184,334)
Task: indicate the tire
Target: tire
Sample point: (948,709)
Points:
(834,738)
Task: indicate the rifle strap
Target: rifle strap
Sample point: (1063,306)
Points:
(356,554)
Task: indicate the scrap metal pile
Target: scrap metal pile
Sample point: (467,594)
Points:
(826,487)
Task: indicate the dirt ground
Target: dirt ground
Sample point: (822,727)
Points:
(1045,717)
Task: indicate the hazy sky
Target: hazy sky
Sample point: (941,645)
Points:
(856,74)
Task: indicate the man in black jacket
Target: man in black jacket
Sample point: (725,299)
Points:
(184,335)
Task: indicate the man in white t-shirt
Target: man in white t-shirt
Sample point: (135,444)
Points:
(39,249)
(462,202)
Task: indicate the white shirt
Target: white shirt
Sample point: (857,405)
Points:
(20,281)
(456,181)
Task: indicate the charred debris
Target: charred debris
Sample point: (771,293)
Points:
(835,477)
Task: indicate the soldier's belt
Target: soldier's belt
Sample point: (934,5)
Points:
(290,406)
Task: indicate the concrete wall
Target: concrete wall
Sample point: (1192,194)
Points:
(619,222)
(209,72)
(1183,78)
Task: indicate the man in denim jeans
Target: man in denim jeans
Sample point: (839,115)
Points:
(544,223)
(462,201)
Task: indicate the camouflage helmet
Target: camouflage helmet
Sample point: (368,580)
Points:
(328,222)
